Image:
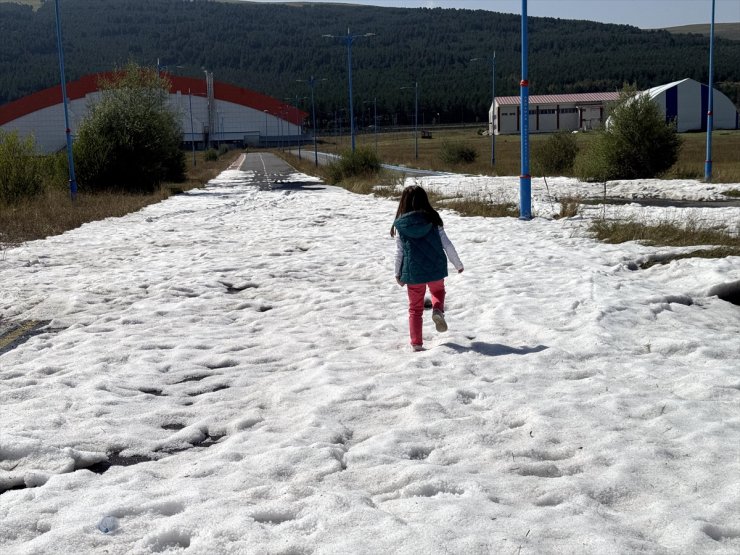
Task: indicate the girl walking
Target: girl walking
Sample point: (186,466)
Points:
(422,250)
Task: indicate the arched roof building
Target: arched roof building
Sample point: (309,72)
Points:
(686,102)
(211,111)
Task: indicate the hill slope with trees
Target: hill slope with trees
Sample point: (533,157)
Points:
(269,47)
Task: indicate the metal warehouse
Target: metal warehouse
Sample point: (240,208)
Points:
(684,102)
(551,112)
(211,112)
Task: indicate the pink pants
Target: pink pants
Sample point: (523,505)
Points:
(416,305)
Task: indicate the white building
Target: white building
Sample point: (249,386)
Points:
(211,112)
(684,102)
(549,113)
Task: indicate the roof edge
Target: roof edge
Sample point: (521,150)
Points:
(90,83)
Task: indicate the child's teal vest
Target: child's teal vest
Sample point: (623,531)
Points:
(424,259)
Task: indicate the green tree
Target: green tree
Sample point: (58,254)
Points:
(555,155)
(637,142)
(20,170)
(130,138)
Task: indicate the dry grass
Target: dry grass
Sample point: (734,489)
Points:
(389,183)
(725,157)
(569,207)
(669,233)
(384,184)
(485,207)
(54,212)
(716,252)
(398,148)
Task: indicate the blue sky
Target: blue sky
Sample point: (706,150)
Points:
(646,14)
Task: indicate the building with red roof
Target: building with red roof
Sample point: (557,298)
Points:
(549,113)
(211,112)
(682,102)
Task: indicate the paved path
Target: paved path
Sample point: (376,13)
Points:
(325,158)
(272,172)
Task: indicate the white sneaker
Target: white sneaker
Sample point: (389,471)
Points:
(417,348)
(438,317)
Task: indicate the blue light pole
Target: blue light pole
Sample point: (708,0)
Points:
(710,105)
(525,180)
(348,39)
(493,102)
(70,158)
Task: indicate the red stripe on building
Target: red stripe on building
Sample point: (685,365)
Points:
(558,98)
(89,84)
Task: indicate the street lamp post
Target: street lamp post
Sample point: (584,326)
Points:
(223,134)
(525,180)
(348,39)
(192,131)
(280,129)
(312,83)
(375,121)
(710,103)
(300,130)
(220,137)
(70,158)
(300,127)
(416,118)
(494,121)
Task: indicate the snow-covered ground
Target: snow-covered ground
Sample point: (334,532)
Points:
(244,352)
(548,192)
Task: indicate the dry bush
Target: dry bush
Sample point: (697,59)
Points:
(569,207)
(53,212)
(486,206)
(664,233)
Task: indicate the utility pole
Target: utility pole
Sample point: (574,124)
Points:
(68,132)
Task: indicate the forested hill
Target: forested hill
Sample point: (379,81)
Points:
(268,47)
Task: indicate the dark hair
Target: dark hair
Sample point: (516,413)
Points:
(413,199)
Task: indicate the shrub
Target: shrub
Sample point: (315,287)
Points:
(569,207)
(361,162)
(210,155)
(21,172)
(596,162)
(130,138)
(457,153)
(555,155)
(56,170)
(223,149)
(637,143)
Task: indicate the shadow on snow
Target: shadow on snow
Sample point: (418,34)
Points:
(494,349)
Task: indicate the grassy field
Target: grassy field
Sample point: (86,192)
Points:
(54,212)
(729,31)
(399,148)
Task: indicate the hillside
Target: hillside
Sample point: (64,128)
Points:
(269,47)
(729,31)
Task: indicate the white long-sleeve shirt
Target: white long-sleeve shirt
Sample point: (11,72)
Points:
(447,245)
